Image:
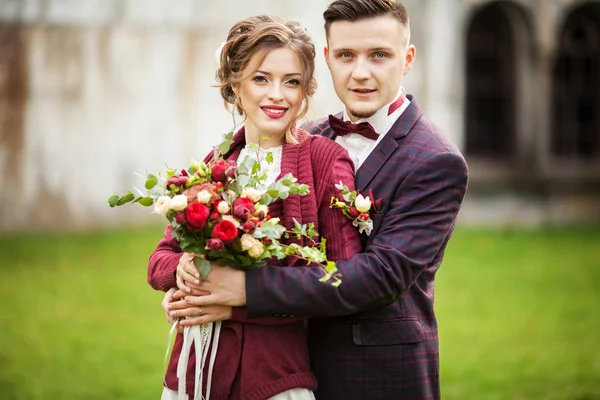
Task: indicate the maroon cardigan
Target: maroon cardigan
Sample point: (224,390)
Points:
(261,357)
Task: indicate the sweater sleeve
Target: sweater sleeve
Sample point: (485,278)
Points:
(343,239)
(162,265)
(416,225)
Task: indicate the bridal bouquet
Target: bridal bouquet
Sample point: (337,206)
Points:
(220,210)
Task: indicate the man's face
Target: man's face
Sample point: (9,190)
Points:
(367,59)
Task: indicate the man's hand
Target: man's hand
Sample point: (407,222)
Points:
(226,286)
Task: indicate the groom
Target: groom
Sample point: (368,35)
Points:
(375,336)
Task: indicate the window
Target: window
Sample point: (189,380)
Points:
(576,86)
(491,84)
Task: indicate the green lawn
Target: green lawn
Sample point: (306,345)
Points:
(519,315)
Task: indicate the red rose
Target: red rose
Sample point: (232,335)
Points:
(243,208)
(180,218)
(215,244)
(196,215)
(177,180)
(218,170)
(354,212)
(232,171)
(248,226)
(225,230)
(215,216)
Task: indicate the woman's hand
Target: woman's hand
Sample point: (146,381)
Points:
(166,303)
(188,277)
(197,315)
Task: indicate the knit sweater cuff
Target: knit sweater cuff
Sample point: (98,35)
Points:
(305,380)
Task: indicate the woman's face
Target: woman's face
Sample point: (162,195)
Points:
(271,96)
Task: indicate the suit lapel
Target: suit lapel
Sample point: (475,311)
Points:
(388,145)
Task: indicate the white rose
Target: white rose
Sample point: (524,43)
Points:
(251,194)
(231,219)
(178,202)
(162,205)
(362,204)
(223,207)
(256,250)
(253,246)
(204,196)
(247,241)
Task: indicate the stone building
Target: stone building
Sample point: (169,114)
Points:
(93,90)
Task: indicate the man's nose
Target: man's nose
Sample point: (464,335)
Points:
(361,70)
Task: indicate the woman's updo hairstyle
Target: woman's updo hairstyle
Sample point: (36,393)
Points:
(259,35)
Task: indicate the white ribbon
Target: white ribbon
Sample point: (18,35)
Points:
(201,336)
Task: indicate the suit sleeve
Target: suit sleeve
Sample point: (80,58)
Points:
(163,261)
(420,217)
(343,239)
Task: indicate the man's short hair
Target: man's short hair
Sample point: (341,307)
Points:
(356,10)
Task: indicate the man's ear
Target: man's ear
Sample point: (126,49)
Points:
(326,55)
(409,58)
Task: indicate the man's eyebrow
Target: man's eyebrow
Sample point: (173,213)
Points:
(372,49)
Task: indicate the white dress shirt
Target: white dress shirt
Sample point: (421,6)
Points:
(360,147)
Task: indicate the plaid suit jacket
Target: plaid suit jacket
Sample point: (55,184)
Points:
(375,336)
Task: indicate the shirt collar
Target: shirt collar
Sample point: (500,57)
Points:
(381,121)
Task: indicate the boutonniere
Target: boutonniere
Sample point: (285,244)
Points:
(356,207)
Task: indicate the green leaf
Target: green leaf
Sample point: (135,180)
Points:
(323,244)
(255,168)
(151,181)
(266,199)
(269,158)
(185,243)
(113,200)
(253,147)
(225,146)
(235,187)
(203,267)
(298,227)
(273,193)
(312,232)
(147,201)
(243,181)
(271,231)
(195,249)
(126,199)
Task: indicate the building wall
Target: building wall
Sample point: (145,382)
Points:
(92,91)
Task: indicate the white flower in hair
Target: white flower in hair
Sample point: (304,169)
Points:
(218,52)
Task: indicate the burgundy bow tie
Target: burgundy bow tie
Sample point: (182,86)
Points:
(342,128)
